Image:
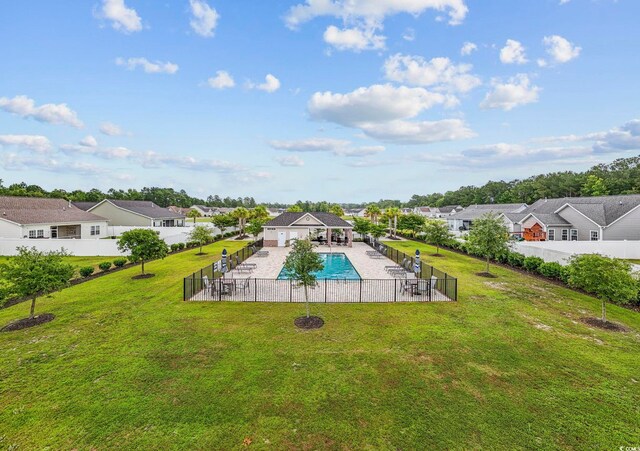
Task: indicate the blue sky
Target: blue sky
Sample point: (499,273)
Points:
(344,101)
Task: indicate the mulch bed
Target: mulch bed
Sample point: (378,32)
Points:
(487,275)
(606,325)
(312,322)
(241,237)
(436,255)
(143,276)
(24,323)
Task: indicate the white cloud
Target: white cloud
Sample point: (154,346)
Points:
(35,143)
(440,73)
(271,84)
(368,11)
(149,67)
(373,104)
(88,141)
(205,18)
(338,147)
(513,53)
(111,129)
(515,92)
(468,48)
(290,160)
(59,114)
(626,137)
(122,18)
(381,112)
(560,50)
(419,132)
(409,34)
(222,80)
(356,39)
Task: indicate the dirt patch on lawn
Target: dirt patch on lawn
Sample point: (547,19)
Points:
(28,322)
(143,276)
(312,322)
(487,275)
(606,325)
(436,255)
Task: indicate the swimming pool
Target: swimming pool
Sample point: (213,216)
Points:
(336,266)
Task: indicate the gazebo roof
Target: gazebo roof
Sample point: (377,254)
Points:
(287,219)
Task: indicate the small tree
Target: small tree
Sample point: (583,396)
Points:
(33,273)
(223,222)
(260,213)
(377,230)
(609,279)
(295,209)
(193,214)
(301,264)
(412,222)
(437,233)
(488,237)
(255,227)
(373,212)
(361,226)
(336,210)
(393,213)
(201,234)
(142,245)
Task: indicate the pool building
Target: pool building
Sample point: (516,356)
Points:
(323,227)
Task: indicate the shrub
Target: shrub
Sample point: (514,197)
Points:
(191,244)
(180,246)
(532,263)
(504,257)
(105,266)
(516,259)
(175,247)
(551,270)
(217,237)
(119,262)
(86,271)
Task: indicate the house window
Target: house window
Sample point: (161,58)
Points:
(54,232)
(95,230)
(552,234)
(595,235)
(574,235)
(32,233)
(565,235)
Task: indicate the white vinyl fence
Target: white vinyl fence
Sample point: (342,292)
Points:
(561,251)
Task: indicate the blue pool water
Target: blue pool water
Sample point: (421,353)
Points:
(336,266)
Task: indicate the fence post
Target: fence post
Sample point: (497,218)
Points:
(255,290)
(184,289)
(325,291)
(395,289)
(290,291)
(360,298)
(455,290)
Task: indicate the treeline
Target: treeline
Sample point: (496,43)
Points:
(620,177)
(161,196)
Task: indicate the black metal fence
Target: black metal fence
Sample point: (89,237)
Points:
(208,284)
(193,283)
(325,291)
(446,284)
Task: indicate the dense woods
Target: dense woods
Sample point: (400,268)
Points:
(622,176)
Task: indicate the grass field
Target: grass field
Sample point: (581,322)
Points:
(127,365)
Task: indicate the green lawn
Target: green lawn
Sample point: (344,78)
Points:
(126,364)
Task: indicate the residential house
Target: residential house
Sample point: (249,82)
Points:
(137,213)
(356,212)
(437,212)
(463,220)
(424,211)
(180,210)
(597,218)
(34,217)
(203,210)
(288,226)
(273,212)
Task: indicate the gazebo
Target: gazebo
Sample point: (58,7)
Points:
(313,225)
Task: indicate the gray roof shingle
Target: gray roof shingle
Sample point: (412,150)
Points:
(38,210)
(146,208)
(475,211)
(287,218)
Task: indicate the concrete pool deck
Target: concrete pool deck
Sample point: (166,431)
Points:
(369,268)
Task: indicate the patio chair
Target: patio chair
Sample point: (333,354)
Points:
(244,286)
(206,284)
(244,269)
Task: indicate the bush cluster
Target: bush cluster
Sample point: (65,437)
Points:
(105,266)
(119,262)
(86,271)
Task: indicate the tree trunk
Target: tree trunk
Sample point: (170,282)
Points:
(33,307)
(604,311)
(201,248)
(395,226)
(142,267)
(306,300)
(437,249)
(488,266)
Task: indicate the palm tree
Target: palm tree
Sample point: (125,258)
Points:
(373,212)
(393,213)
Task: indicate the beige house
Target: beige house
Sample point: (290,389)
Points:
(315,225)
(137,213)
(38,218)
